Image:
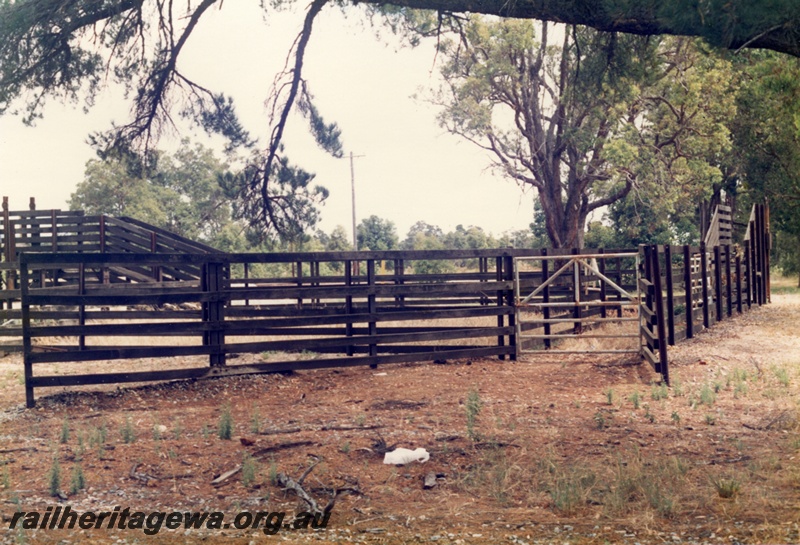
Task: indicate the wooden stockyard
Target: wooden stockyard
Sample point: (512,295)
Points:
(81,288)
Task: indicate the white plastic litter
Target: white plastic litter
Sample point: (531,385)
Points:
(402,456)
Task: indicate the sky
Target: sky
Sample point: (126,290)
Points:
(407,167)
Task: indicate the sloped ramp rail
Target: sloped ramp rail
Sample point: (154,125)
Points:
(49,231)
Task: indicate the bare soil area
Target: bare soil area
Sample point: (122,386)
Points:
(567,449)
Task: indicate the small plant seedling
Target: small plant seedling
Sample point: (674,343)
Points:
(676,417)
(177,430)
(726,488)
(782,375)
(599,420)
(711,419)
(249,470)
(647,414)
(78,481)
(659,392)
(345,448)
(273,472)
(473,408)
(64,437)
(54,477)
(635,399)
(128,432)
(255,422)
(707,396)
(610,396)
(361,419)
(225,427)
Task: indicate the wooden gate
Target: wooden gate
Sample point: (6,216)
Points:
(581,294)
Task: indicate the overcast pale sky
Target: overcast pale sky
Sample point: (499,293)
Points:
(411,169)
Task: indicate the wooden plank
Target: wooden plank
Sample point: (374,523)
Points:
(670,314)
(272,367)
(104,353)
(718,283)
(663,368)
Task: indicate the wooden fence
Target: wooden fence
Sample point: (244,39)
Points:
(98,288)
(686,289)
(265,303)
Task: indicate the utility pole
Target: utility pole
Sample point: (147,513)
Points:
(353,192)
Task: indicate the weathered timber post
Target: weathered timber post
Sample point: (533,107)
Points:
(399,280)
(738,283)
(105,272)
(501,340)
(576,294)
(214,311)
(767,246)
(348,302)
(601,266)
(688,287)
(509,276)
(82,306)
(372,309)
(300,282)
(728,280)
(756,236)
(670,295)
(26,331)
(546,299)
(663,365)
(704,284)
(156,269)
(748,259)
(718,282)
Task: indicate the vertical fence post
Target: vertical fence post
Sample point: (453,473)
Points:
(300,282)
(658,296)
(5,277)
(246,273)
(756,236)
(348,303)
(647,264)
(372,309)
(767,245)
(81,307)
(512,319)
(728,280)
(718,282)
(764,239)
(619,283)
(399,273)
(601,266)
(704,284)
(670,294)
(688,287)
(156,269)
(738,283)
(576,294)
(546,298)
(26,331)
(214,312)
(748,260)
(501,340)
(483,268)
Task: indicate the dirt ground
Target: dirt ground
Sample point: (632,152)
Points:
(568,449)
